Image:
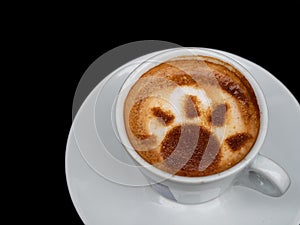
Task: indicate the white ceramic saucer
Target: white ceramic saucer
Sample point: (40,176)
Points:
(100,201)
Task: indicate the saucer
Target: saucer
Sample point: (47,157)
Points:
(99,200)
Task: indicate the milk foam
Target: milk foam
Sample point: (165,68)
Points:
(178,97)
(240,124)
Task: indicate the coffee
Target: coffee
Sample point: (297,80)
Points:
(192,116)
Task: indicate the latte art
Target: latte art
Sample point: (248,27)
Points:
(192,116)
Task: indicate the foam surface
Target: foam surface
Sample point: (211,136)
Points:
(192,116)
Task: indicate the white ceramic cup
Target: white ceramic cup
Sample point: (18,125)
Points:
(254,171)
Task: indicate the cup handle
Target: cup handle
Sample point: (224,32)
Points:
(265,176)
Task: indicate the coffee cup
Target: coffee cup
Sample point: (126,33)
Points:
(230,118)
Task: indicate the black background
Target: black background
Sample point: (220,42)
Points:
(76,54)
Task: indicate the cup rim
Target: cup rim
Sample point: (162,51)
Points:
(162,56)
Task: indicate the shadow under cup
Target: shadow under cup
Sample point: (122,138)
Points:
(193,190)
